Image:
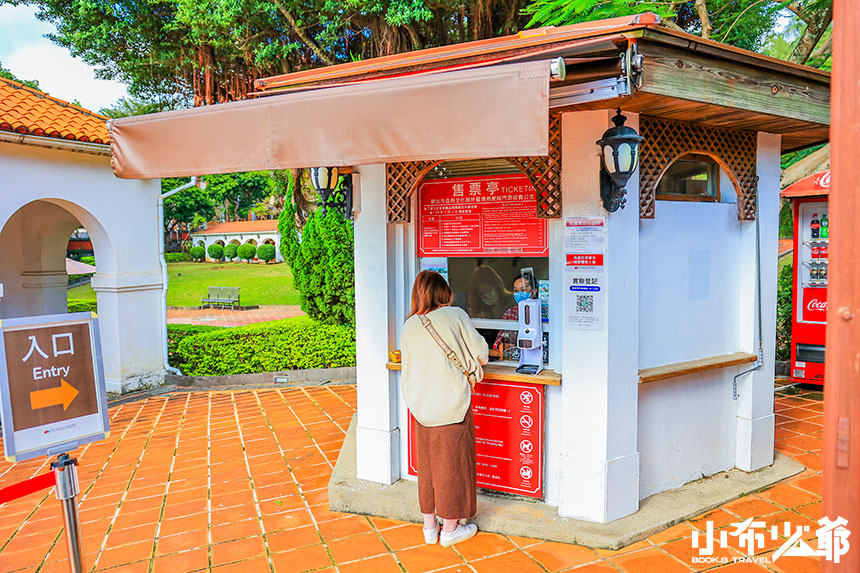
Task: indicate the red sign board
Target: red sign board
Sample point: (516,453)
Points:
(584,260)
(814,305)
(480,216)
(508,435)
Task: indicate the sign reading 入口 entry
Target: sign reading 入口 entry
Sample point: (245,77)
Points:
(52,389)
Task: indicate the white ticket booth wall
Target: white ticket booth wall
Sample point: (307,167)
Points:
(678,287)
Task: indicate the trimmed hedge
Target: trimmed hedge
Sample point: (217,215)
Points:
(289,344)
(247,252)
(177,257)
(197,253)
(88,260)
(230,251)
(215,251)
(81,305)
(176,333)
(266,252)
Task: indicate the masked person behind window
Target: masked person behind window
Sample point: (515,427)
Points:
(442,355)
(506,339)
(486,296)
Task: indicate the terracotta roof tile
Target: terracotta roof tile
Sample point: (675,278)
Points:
(29,111)
(259,226)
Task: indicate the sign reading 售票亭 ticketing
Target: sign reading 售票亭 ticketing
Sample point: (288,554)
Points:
(52,388)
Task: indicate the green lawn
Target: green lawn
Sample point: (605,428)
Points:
(260,284)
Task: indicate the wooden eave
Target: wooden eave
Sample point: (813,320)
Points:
(685,78)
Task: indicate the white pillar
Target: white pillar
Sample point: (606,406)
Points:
(755,419)
(378,434)
(599,461)
(131,333)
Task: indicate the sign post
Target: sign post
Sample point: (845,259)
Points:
(53,400)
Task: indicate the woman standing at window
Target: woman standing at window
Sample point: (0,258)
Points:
(442,356)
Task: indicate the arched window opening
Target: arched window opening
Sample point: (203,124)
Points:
(691,177)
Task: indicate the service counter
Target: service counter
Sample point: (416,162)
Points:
(509,410)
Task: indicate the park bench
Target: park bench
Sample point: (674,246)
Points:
(222,296)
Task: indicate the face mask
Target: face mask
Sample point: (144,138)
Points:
(490,298)
(521,296)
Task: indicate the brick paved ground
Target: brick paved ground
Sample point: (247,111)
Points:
(236,481)
(227,317)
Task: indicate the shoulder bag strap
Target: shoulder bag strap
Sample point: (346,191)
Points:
(450,354)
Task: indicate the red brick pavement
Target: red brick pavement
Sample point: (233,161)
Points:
(227,317)
(237,481)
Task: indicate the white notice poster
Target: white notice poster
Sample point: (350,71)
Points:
(438,264)
(584,242)
(585,295)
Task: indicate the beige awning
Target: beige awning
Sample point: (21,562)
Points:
(495,111)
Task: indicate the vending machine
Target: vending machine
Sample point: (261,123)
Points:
(811,259)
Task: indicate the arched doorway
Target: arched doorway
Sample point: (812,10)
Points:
(33,258)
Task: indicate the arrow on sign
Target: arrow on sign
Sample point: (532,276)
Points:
(64,394)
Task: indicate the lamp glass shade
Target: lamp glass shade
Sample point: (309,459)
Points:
(625,158)
(609,159)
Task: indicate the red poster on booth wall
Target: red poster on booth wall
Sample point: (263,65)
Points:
(814,305)
(480,216)
(508,435)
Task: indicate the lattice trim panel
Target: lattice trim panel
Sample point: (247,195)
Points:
(544,172)
(666,141)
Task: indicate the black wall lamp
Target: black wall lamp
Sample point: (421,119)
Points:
(325,182)
(619,158)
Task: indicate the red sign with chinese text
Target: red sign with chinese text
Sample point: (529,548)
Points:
(508,435)
(584,260)
(814,305)
(480,216)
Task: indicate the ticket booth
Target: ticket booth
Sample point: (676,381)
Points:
(811,247)
(657,296)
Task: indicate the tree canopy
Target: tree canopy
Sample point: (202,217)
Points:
(210,51)
(5,73)
(750,24)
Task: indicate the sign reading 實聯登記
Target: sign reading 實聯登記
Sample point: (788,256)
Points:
(52,389)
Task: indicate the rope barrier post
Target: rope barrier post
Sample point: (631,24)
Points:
(66,490)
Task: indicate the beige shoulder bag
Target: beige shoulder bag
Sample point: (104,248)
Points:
(450,354)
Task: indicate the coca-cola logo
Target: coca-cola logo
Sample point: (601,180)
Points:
(824,180)
(817,305)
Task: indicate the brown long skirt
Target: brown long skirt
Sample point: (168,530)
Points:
(447,469)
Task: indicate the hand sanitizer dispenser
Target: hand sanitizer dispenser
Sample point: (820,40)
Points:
(530,334)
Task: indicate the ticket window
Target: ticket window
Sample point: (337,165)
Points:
(479,233)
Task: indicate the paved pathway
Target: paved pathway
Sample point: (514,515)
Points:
(236,481)
(227,317)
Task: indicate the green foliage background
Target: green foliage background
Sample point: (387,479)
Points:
(321,261)
(784,311)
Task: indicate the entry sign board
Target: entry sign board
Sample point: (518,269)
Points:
(480,216)
(52,388)
(508,434)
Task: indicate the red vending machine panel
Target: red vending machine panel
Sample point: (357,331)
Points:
(811,260)
(508,436)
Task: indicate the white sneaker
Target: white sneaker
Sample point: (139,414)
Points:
(431,536)
(462,533)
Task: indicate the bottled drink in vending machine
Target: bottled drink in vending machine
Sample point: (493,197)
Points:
(816,251)
(825,227)
(822,251)
(822,274)
(815,226)
(813,274)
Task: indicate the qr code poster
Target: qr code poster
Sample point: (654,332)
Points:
(585,295)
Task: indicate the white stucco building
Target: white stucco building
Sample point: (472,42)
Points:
(259,232)
(670,378)
(55,160)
